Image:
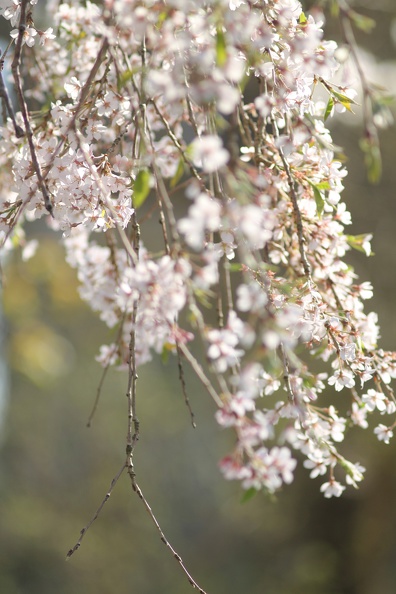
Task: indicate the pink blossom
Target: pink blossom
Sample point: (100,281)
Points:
(208,153)
(332,489)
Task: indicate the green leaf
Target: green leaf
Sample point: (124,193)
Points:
(124,78)
(334,8)
(178,175)
(343,99)
(320,201)
(324,185)
(141,188)
(203,297)
(248,494)
(357,242)
(362,22)
(372,159)
(302,19)
(321,349)
(221,48)
(235,267)
(329,107)
(385,100)
(165,355)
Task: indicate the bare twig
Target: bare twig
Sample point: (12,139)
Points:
(286,374)
(177,144)
(166,542)
(98,393)
(200,374)
(183,385)
(96,515)
(133,421)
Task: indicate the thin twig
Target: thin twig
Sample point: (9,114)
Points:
(177,144)
(200,374)
(166,542)
(98,393)
(183,385)
(133,422)
(96,515)
(286,374)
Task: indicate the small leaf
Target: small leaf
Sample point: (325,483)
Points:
(324,185)
(343,99)
(329,108)
(334,8)
(248,495)
(235,267)
(362,22)
(124,78)
(141,188)
(302,19)
(166,349)
(178,175)
(385,100)
(221,48)
(372,159)
(320,201)
(321,349)
(165,355)
(203,297)
(361,243)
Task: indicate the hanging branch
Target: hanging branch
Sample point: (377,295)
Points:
(97,513)
(183,385)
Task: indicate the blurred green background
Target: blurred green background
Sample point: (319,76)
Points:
(54,471)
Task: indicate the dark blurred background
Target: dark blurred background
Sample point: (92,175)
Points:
(54,471)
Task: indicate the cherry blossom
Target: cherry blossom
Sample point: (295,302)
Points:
(383,433)
(206,116)
(332,489)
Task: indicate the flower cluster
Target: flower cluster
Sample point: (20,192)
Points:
(206,112)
